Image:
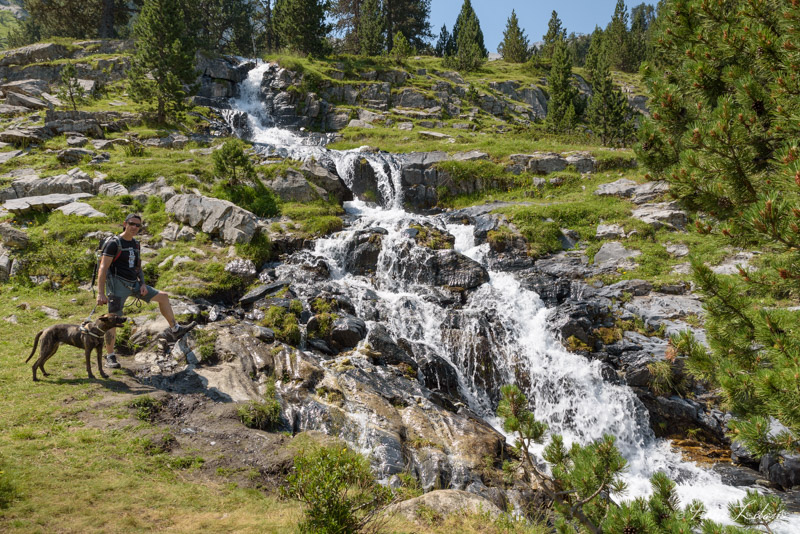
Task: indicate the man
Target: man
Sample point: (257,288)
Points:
(120,275)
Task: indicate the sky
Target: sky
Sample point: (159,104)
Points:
(579,16)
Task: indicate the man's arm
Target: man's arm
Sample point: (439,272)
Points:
(102,273)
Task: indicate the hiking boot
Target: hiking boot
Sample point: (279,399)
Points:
(111,361)
(171,335)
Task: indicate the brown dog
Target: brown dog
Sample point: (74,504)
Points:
(87,337)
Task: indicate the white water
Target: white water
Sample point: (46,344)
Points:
(567,390)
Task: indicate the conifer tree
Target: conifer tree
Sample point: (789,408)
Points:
(515,46)
(444,45)
(401,48)
(301,26)
(583,479)
(71,90)
(467,16)
(616,39)
(578,46)
(596,53)
(409,17)
(608,113)
(80,19)
(642,17)
(561,116)
(166,54)
(468,55)
(371,31)
(724,133)
(555,32)
(346,16)
(225,26)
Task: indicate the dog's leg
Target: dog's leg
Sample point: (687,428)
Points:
(46,351)
(100,361)
(88,353)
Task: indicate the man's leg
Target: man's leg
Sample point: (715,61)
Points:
(162,299)
(115,305)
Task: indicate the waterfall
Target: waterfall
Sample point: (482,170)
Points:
(500,318)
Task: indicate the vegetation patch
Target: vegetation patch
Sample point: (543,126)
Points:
(284,323)
(146,407)
(262,415)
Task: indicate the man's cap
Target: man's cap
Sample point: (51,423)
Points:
(133,216)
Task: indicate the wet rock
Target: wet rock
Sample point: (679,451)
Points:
(363,251)
(440,268)
(386,350)
(740,454)
(333,185)
(347,331)
(781,469)
(213,216)
(242,268)
(263,291)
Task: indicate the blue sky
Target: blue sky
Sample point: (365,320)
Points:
(579,16)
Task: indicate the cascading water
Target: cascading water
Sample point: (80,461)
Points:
(502,318)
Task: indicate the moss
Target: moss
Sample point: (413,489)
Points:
(323,325)
(205,345)
(608,335)
(284,323)
(501,238)
(259,249)
(576,345)
(432,238)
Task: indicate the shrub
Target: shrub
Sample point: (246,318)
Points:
(262,415)
(338,489)
(259,249)
(256,198)
(232,164)
(146,407)
(663,379)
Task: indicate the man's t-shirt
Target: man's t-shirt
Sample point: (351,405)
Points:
(127,265)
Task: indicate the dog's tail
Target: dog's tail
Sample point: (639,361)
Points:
(35,343)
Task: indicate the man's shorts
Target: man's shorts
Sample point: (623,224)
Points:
(119,290)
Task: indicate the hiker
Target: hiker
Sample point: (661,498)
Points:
(120,276)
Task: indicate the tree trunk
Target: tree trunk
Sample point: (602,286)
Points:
(389,25)
(106,28)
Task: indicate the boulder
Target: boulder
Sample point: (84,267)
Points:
(292,186)
(29,87)
(649,191)
(112,189)
(23,136)
(34,53)
(80,209)
(263,291)
(158,188)
(540,162)
(781,469)
(445,503)
(6,264)
(214,216)
(444,268)
(242,268)
(331,183)
(662,215)
(76,141)
(6,110)
(24,101)
(77,182)
(347,331)
(582,161)
(11,154)
(622,188)
(177,232)
(614,254)
(41,203)
(71,156)
(363,250)
(609,231)
(13,237)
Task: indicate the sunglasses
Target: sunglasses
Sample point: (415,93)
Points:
(137,225)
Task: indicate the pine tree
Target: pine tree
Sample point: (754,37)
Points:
(561,116)
(409,17)
(79,19)
(616,39)
(301,26)
(555,32)
(401,48)
(371,29)
(642,17)
(71,90)
(515,46)
(223,26)
(444,45)
(608,114)
(166,54)
(578,46)
(724,133)
(346,15)
(596,53)
(467,16)
(583,479)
